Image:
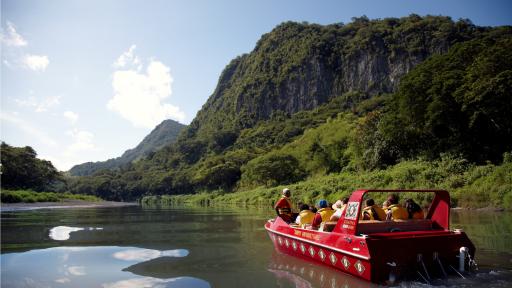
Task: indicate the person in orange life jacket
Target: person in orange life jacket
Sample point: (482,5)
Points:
(283,206)
(395,211)
(414,210)
(305,215)
(323,214)
(373,211)
(339,208)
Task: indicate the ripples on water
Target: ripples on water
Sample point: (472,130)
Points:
(195,247)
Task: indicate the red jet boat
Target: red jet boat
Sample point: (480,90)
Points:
(381,251)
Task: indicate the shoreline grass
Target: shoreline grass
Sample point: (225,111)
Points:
(470,186)
(29,196)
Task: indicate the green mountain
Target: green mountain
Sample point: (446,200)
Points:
(313,100)
(164,133)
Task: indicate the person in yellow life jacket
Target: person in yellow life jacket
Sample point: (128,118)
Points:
(414,210)
(305,215)
(323,214)
(283,206)
(373,211)
(395,211)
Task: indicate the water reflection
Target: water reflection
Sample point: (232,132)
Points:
(88,267)
(62,233)
(295,272)
(178,282)
(148,254)
(225,247)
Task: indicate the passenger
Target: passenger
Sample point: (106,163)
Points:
(414,210)
(373,211)
(305,216)
(339,203)
(340,209)
(283,206)
(313,209)
(385,205)
(323,215)
(395,211)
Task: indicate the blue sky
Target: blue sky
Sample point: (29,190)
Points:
(85,80)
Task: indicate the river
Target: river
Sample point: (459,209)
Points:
(195,247)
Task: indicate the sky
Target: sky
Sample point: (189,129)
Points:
(85,80)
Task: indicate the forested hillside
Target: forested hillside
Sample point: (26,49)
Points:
(164,133)
(314,101)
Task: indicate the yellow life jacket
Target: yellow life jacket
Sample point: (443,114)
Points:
(306,217)
(371,210)
(326,213)
(398,212)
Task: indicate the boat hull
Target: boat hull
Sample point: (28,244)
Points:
(345,261)
(380,258)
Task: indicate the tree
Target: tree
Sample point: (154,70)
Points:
(22,170)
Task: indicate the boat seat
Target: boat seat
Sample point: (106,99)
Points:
(374,226)
(327,226)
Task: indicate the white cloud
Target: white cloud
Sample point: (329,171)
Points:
(138,96)
(26,127)
(13,55)
(82,141)
(63,280)
(11,37)
(77,270)
(71,116)
(128,59)
(39,105)
(36,62)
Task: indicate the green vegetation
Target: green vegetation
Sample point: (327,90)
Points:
(412,102)
(21,169)
(472,186)
(28,196)
(415,102)
(164,133)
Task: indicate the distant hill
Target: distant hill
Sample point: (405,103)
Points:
(163,134)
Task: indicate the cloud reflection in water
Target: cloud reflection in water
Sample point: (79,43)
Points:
(148,254)
(178,282)
(62,233)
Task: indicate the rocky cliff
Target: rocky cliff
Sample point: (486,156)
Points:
(299,66)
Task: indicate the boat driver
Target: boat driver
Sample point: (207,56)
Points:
(283,206)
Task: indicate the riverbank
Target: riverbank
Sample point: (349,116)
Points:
(65,204)
(472,187)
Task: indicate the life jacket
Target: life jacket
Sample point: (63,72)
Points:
(306,217)
(375,212)
(418,215)
(284,206)
(398,212)
(326,213)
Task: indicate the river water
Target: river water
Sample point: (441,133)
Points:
(196,247)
